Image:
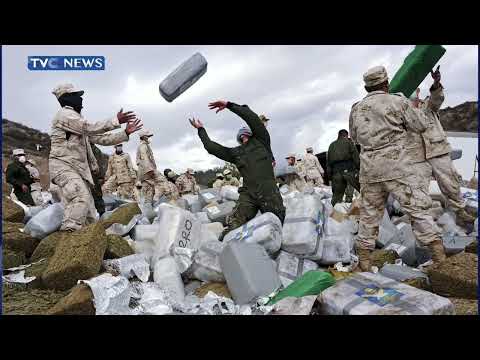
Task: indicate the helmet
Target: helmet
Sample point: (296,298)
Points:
(243,131)
(227,172)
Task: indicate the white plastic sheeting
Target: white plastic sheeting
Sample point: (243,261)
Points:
(45,222)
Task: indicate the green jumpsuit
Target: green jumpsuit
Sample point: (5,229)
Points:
(17,175)
(254,162)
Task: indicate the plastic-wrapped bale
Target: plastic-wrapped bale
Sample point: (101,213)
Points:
(208,196)
(135,265)
(202,217)
(404,244)
(31,211)
(122,215)
(194,204)
(338,241)
(215,227)
(46,247)
(46,221)
(78,256)
(183,77)
(290,267)
(311,283)
(265,230)
(448,224)
(219,213)
(112,202)
(457,276)
(177,227)
(387,232)
(168,277)
(206,263)
(145,240)
(294,306)
(11,211)
(407,275)
(454,244)
(17,240)
(249,271)
(303,227)
(229,193)
(374,294)
(122,230)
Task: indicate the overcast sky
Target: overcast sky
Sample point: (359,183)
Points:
(306,91)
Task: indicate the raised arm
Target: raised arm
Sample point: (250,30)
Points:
(436,91)
(213,148)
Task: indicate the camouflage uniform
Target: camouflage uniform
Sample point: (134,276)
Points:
(254,162)
(217,184)
(342,165)
(233,181)
(296,181)
(36,186)
(72,162)
(186,185)
(314,170)
(121,169)
(378,123)
(163,187)
(146,170)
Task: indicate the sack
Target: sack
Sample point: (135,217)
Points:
(219,213)
(206,263)
(167,276)
(208,196)
(193,201)
(291,267)
(46,221)
(229,193)
(338,241)
(265,230)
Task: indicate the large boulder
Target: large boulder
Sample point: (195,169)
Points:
(78,302)
(121,215)
(18,301)
(11,212)
(46,248)
(11,258)
(117,247)
(16,240)
(457,276)
(78,256)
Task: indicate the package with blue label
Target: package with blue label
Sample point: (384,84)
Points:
(265,230)
(373,294)
(304,226)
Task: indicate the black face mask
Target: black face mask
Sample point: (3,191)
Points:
(118,151)
(72,99)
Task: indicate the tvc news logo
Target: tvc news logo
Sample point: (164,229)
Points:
(79,63)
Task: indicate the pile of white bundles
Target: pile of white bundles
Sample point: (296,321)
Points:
(338,241)
(194,204)
(208,196)
(229,193)
(219,212)
(265,230)
(373,294)
(206,264)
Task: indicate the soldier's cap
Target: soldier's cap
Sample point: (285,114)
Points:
(291,155)
(263,118)
(310,149)
(170,174)
(219,175)
(226,172)
(66,89)
(17,152)
(375,76)
(190,171)
(144,132)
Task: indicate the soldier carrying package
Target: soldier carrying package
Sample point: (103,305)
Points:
(253,158)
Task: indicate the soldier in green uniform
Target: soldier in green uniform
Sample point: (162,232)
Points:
(253,159)
(342,165)
(19,177)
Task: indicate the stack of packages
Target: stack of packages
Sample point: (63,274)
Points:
(169,260)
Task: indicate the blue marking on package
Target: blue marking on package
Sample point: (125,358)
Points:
(379,296)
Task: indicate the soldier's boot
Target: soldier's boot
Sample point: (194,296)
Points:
(364,263)
(437,250)
(464,219)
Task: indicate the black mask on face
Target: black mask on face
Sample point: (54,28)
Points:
(119,151)
(72,99)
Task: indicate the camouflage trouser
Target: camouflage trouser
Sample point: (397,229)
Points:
(340,180)
(248,206)
(97,195)
(148,191)
(36,192)
(448,181)
(78,200)
(315,181)
(413,200)
(110,185)
(125,190)
(349,193)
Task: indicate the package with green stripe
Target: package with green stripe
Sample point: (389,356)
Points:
(373,294)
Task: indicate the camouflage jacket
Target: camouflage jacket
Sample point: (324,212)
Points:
(186,185)
(217,184)
(121,167)
(233,181)
(166,188)
(70,142)
(379,124)
(145,160)
(312,166)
